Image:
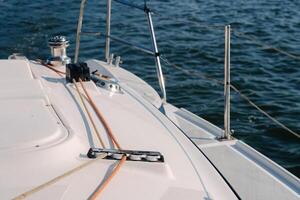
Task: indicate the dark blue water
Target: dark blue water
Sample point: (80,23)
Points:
(270,79)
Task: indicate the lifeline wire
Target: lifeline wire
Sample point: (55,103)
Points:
(234,88)
(251,38)
(197,74)
(238,91)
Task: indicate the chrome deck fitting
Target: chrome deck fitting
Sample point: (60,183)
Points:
(131,155)
(58,46)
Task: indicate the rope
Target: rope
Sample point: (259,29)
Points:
(56,179)
(109,131)
(50,67)
(68,173)
(96,194)
(92,103)
(100,116)
(89,115)
(197,74)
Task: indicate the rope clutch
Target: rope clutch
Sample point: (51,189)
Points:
(131,155)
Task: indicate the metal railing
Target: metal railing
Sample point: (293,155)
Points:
(227,83)
(108,37)
(158,57)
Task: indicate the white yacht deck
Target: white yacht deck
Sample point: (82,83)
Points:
(52,134)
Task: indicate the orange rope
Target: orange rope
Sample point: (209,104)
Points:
(50,67)
(56,70)
(96,194)
(89,115)
(102,119)
(56,179)
(107,128)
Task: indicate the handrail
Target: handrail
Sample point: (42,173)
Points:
(108,37)
(227,83)
(218,82)
(158,57)
(79,27)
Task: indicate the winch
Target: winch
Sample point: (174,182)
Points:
(58,46)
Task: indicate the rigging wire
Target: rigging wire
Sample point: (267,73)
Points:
(201,75)
(238,34)
(218,27)
(262,44)
(263,112)
(246,98)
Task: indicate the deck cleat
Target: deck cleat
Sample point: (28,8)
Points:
(131,155)
(105,82)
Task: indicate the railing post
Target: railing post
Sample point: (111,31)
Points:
(157,56)
(108,18)
(227,134)
(79,27)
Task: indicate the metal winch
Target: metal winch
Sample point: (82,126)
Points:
(58,46)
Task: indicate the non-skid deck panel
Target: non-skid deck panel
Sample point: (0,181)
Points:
(197,129)
(22,89)
(252,175)
(28,123)
(11,70)
(249,178)
(27,119)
